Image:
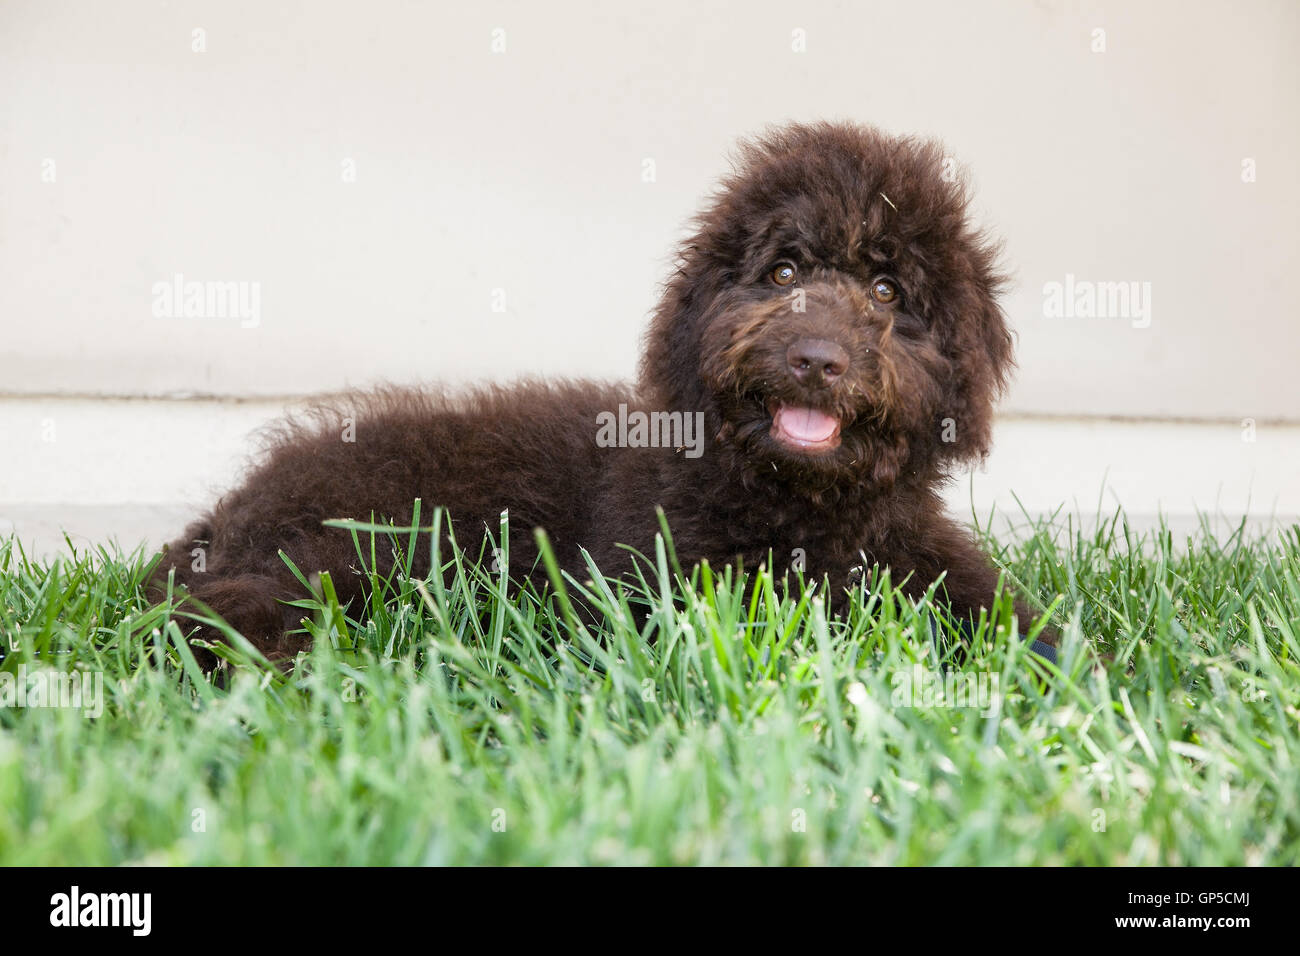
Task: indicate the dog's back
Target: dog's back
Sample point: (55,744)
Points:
(530,449)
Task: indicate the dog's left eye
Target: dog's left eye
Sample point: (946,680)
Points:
(884,291)
(784,274)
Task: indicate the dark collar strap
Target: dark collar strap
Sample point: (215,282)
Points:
(1044,650)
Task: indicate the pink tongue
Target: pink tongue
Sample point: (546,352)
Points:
(805,424)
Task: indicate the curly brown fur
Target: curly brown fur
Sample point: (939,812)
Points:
(833,413)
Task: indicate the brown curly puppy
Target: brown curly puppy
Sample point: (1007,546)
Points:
(829,348)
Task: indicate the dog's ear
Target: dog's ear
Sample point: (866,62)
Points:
(981,350)
(670,359)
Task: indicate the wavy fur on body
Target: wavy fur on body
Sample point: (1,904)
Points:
(908,382)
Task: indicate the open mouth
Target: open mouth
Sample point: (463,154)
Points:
(804,429)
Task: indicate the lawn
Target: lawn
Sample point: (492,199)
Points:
(737,724)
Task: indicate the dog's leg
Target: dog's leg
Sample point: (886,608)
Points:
(970,579)
(248,591)
(252,605)
(970,587)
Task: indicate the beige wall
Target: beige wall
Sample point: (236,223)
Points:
(522,171)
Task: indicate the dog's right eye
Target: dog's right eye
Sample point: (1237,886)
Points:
(784,274)
(884,291)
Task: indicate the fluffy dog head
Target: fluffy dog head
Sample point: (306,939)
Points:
(835,314)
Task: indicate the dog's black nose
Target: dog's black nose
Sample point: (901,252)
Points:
(817,362)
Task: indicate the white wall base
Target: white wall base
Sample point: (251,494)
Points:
(137,470)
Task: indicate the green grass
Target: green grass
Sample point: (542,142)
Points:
(739,725)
